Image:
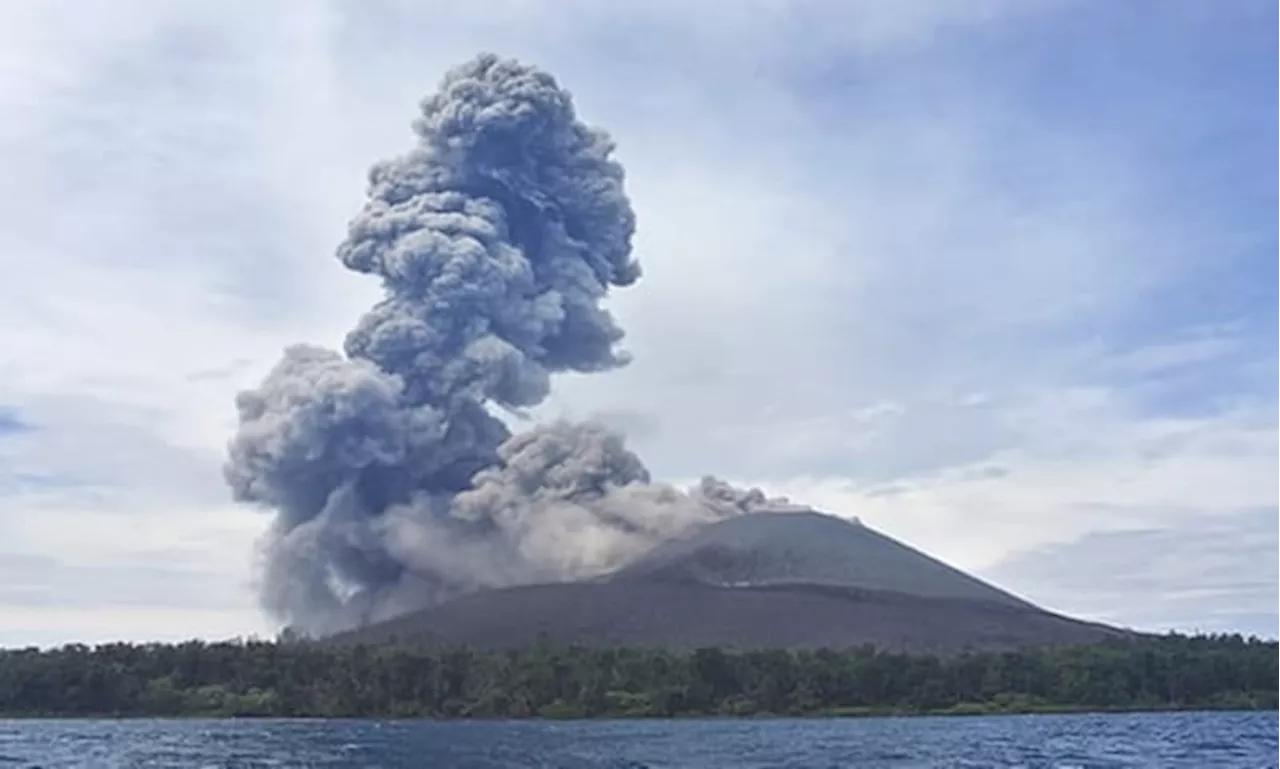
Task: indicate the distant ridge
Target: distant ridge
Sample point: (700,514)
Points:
(764,580)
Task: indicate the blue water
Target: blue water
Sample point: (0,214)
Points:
(1199,740)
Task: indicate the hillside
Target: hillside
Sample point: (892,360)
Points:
(689,616)
(768,580)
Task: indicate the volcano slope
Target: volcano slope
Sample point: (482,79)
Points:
(764,580)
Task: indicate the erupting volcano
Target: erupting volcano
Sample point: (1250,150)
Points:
(398,489)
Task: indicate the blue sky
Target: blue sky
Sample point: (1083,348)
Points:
(999,278)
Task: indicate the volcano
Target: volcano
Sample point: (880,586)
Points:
(763,580)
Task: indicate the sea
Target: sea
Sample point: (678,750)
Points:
(1200,740)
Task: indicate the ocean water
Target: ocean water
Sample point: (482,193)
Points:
(1199,740)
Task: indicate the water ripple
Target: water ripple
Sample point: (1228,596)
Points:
(1193,740)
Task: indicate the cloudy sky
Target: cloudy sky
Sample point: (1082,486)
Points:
(999,278)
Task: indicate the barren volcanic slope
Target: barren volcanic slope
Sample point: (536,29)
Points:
(798,580)
(810,548)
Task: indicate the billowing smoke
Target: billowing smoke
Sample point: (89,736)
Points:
(393,483)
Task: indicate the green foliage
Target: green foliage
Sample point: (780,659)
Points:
(302,678)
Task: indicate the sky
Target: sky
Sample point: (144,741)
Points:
(997,278)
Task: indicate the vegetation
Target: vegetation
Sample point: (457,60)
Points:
(258,678)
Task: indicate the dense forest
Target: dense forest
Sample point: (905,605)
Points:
(259,678)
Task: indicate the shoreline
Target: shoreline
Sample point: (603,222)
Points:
(832,715)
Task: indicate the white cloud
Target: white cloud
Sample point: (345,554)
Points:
(1078,468)
(55,625)
(1194,572)
(95,562)
(862,311)
(1087,496)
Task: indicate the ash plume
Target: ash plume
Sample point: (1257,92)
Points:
(393,483)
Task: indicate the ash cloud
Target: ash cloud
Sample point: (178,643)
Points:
(393,483)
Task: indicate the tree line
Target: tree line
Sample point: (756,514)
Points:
(304,678)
